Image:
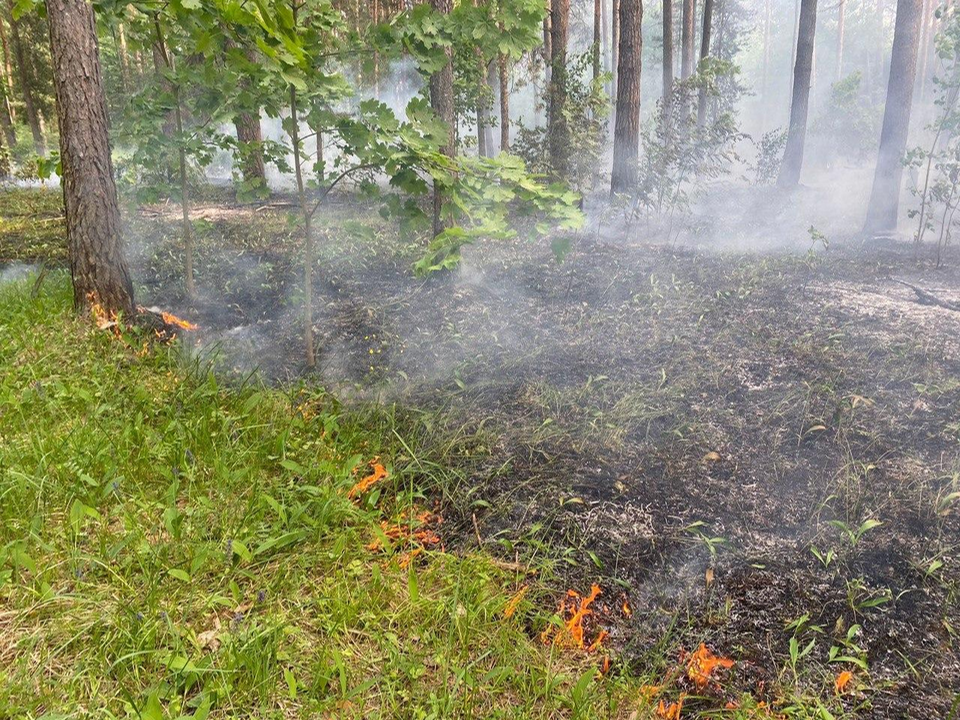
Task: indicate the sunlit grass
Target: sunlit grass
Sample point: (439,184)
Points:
(171,546)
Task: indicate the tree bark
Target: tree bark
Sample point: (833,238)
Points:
(559,133)
(615,47)
(704,53)
(667,57)
(547,50)
(250,137)
(4,159)
(796,134)
(24,74)
(94,243)
(504,103)
(597,48)
(626,137)
(885,197)
(925,45)
(766,64)
(441,100)
(686,38)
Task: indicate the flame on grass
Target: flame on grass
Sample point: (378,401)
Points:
(702,664)
(670,711)
(574,609)
(511,607)
(410,529)
(171,319)
(379,473)
(843,679)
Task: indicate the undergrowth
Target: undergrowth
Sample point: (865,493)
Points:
(172,547)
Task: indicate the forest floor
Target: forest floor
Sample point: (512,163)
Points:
(756,451)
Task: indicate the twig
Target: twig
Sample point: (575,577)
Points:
(927,298)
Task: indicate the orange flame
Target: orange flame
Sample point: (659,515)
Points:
(171,319)
(401,531)
(378,474)
(701,665)
(571,634)
(843,679)
(511,606)
(671,711)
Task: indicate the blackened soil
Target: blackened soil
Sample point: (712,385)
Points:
(651,415)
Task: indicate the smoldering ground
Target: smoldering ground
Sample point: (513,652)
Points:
(648,411)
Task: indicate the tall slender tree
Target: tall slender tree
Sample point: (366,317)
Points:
(7,68)
(797,132)
(94,243)
(559,132)
(841,29)
(687,30)
(25,77)
(704,54)
(884,204)
(667,57)
(626,136)
(441,100)
(503,68)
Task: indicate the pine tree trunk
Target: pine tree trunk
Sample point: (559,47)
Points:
(6,116)
(626,137)
(24,74)
(7,71)
(441,100)
(796,134)
(667,57)
(94,243)
(504,103)
(605,37)
(925,45)
(704,53)
(559,133)
(885,197)
(4,159)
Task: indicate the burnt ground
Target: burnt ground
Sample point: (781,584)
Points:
(693,429)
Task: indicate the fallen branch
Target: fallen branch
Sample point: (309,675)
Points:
(927,298)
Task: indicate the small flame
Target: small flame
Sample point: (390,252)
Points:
(378,474)
(671,711)
(701,665)
(171,319)
(511,607)
(571,634)
(843,679)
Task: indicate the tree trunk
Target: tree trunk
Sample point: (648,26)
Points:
(796,134)
(687,31)
(605,37)
(441,99)
(7,71)
(558,130)
(626,137)
(504,103)
(766,64)
(667,55)
(925,45)
(841,24)
(547,50)
(885,196)
(92,211)
(250,137)
(597,48)
(310,355)
(24,73)
(4,159)
(6,116)
(704,53)
(615,48)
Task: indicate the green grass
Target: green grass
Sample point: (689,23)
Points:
(32,227)
(170,546)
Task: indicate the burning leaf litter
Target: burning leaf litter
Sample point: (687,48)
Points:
(702,664)
(573,610)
